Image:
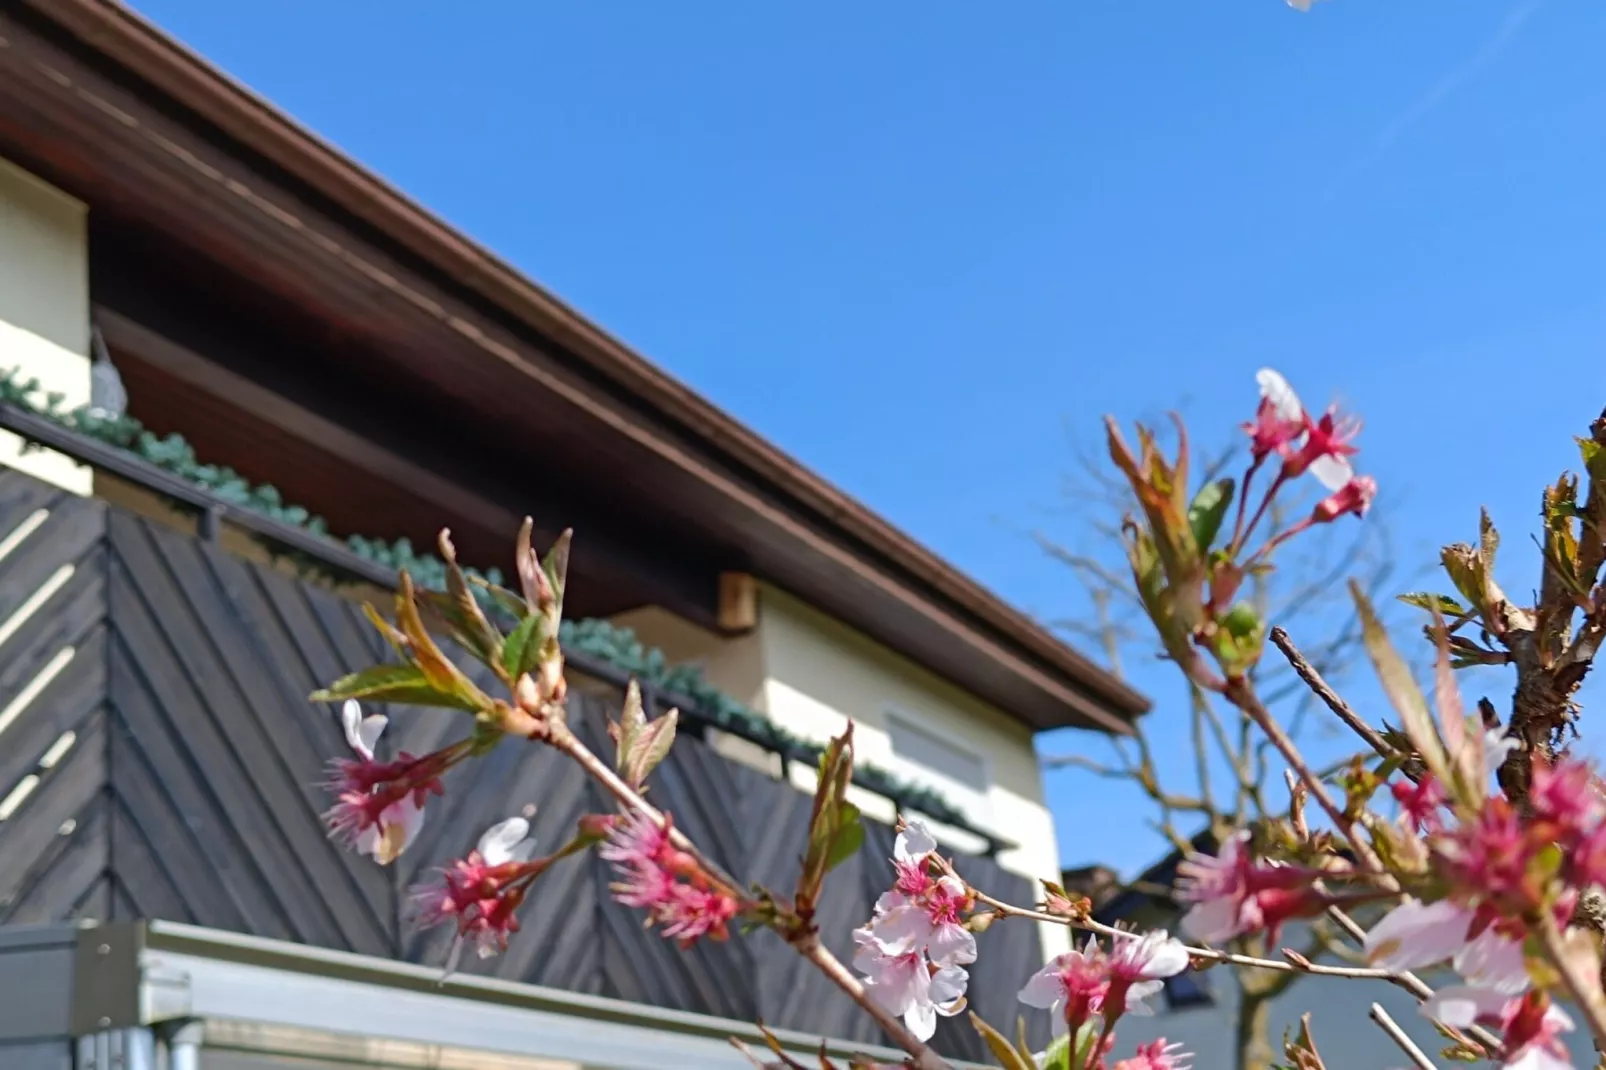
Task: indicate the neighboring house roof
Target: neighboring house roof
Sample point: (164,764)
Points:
(790,526)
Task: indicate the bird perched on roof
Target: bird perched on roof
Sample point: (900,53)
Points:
(108,400)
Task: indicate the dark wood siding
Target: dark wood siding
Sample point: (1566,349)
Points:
(192,787)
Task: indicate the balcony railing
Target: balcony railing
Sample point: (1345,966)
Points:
(214,512)
(159,760)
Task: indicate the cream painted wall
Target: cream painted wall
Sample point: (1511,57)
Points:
(820,673)
(44,307)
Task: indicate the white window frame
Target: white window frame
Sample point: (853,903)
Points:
(977,802)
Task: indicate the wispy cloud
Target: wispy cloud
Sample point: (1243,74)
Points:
(1437,94)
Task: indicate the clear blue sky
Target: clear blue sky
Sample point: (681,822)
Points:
(920,245)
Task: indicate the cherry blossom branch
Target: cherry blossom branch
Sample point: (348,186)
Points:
(562,739)
(807,944)
(1396,1034)
(1296,963)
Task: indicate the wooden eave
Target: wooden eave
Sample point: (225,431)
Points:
(122,116)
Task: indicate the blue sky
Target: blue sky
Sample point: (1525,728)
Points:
(925,247)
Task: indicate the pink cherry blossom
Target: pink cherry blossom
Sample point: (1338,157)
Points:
(1422,803)
(1271,432)
(1157,1055)
(652,875)
(379,807)
(908,985)
(1322,447)
(931,923)
(1233,894)
(1137,967)
(481,894)
(1355,496)
(1072,987)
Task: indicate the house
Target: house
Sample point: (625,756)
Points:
(326,348)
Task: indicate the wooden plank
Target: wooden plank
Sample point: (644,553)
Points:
(276,728)
(167,811)
(61,882)
(142,871)
(204,704)
(77,687)
(180,759)
(67,537)
(20,496)
(63,792)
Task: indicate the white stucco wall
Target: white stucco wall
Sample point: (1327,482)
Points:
(820,673)
(44,307)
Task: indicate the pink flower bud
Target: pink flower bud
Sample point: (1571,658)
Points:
(1353,497)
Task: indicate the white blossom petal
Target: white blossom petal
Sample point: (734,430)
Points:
(921,1018)
(913,843)
(1274,387)
(501,841)
(1462,1005)
(362,733)
(1493,961)
(904,929)
(1414,935)
(1137,993)
(1044,988)
(948,986)
(1332,472)
(1212,921)
(951,945)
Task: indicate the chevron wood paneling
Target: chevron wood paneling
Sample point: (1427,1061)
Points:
(158,759)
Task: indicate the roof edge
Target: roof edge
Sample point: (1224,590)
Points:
(138,45)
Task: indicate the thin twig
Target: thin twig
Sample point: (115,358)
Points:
(1396,1034)
(1242,694)
(1313,679)
(1207,954)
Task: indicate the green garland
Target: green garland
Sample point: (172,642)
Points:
(601,639)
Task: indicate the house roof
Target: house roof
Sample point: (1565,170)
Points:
(502,337)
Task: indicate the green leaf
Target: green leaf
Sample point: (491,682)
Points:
(650,746)
(632,719)
(437,668)
(556,563)
(1209,508)
(390,683)
(521,650)
(1401,687)
(1443,603)
(1002,1050)
(847,836)
(831,820)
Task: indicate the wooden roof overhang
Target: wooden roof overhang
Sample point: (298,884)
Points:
(378,324)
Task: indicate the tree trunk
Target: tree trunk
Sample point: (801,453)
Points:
(1252,1049)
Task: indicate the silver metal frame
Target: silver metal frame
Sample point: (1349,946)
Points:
(120,987)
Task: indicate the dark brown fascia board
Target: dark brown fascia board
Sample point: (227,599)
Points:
(138,46)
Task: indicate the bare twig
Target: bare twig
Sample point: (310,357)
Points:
(1242,694)
(1396,1034)
(1318,686)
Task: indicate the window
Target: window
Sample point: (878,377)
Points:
(922,747)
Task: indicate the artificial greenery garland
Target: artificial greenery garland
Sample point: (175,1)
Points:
(601,639)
